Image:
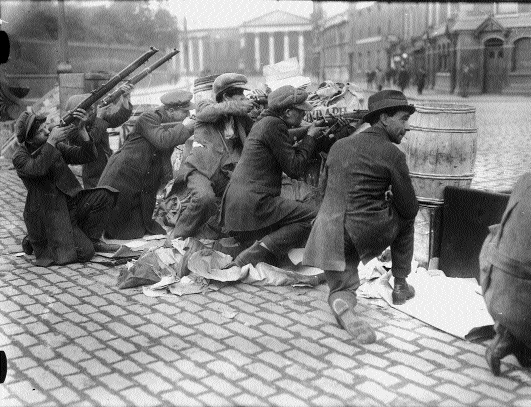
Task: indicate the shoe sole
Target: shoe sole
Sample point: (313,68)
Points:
(360,330)
(493,362)
(399,300)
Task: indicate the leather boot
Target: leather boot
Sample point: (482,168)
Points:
(254,255)
(342,304)
(103,247)
(402,291)
(26,246)
(501,346)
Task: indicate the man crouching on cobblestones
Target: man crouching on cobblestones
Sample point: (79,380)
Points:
(360,216)
(64,222)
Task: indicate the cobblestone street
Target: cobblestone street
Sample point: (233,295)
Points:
(73,338)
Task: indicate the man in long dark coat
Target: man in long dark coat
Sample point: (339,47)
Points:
(369,203)
(100,119)
(505,277)
(138,169)
(64,222)
(252,208)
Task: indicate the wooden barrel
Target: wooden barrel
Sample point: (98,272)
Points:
(440,148)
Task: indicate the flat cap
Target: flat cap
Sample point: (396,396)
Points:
(288,96)
(24,124)
(229,80)
(179,99)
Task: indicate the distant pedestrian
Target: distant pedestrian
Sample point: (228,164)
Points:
(466,76)
(380,79)
(390,76)
(403,78)
(369,77)
(421,80)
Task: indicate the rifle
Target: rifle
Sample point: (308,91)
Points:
(107,86)
(107,100)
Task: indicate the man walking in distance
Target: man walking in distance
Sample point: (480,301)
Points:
(369,204)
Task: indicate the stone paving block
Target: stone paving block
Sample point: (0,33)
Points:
(275,359)
(400,344)
(367,358)
(228,370)
(473,359)
(310,347)
(235,356)
(211,344)
(178,398)
(127,366)
(70,330)
(341,361)
(61,367)
(122,346)
(192,386)
(23,363)
(458,393)
(216,315)
(244,306)
(73,352)
(197,355)
(25,340)
(42,352)
(242,344)
(115,381)
(64,395)
(103,397)
(286,400)
(486,376)
(410,360)
(301,357)
(153,382)
(94,367)
(213,399)
(108,355)
(302,330)
(257,387)
(80,381)
(299,373)
(214,331)
(189,368)
(153,330)
(275,318)
(188,318)
(43,378)
(501,396)
(341,375)
(248,320)
(89,343)
(412,375)
(438,346)
(142,357)
(273,343)
(133,320)
(242,329)
(420,394)
(25,391)
(220,385)
(265,372)
(448,362)
(523,403)
(249,400)
(160,320)
(380,376)
(181,330)
(333,388)
(142,341)
(376,391)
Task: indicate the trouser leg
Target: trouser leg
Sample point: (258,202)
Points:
(402,248)
(201,207)
(290,232)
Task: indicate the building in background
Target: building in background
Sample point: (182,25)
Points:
(491,42)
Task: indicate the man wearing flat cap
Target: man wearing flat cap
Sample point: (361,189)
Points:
(369,204)
(139,167)
(219,135)
(253,210)
(100,119)
(64,221)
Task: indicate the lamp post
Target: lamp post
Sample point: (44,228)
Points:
(63,66)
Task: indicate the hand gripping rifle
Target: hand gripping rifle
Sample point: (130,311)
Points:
(107,86)
(110,98)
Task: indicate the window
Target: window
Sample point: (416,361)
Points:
(522,55)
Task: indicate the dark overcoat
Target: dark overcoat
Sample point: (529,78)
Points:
(505,264)
(252,199)
(358,171)
(92,171)
(49,181)
(137,170)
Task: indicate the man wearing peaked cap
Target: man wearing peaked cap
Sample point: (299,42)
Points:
(252,209)
(369,204)
(178,99)
(143,165)
(220,132)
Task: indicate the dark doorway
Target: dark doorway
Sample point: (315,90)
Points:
(494,66)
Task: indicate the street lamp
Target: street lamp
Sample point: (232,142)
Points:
(63,66)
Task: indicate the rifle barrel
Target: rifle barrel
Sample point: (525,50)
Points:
(107,86)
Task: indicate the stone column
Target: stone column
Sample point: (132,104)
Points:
(301,51)
(257,52)
(271,48)
(286,45)
(190,55)
(201,55)
(182,66)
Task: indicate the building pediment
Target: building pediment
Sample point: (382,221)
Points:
(490,24)
(276,18)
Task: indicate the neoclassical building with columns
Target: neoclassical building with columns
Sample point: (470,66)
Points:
(265,40)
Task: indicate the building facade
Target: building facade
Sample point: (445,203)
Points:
(492,40)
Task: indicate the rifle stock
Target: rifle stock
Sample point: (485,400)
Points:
(110,98)
(107,86)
